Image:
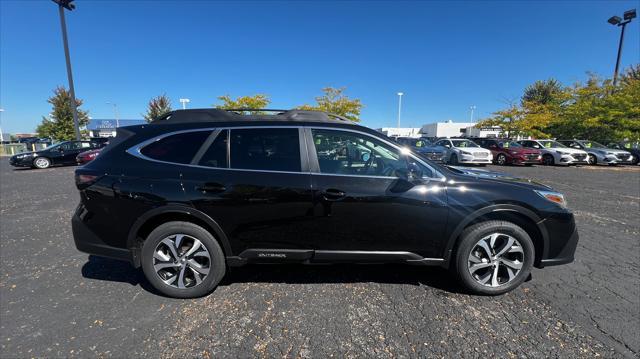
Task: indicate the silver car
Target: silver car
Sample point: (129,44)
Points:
(599,153)
(460,150)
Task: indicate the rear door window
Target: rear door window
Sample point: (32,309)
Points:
(270,149)
(178,148)
(216,154)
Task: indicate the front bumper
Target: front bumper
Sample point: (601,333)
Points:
(473,159)
(21,162)
(526,160)
(562,241)
(571,160)
(86,241)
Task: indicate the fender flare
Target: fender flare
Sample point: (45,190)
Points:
(453,238)
(181,209)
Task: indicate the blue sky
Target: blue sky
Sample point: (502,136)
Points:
(445,56)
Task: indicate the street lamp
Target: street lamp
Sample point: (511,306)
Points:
(115,111)
(472,108)
(1,135)
(399,106)
(184,102)
(69,5)
(617,21)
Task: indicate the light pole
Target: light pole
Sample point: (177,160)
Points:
(184,102)
(617,21)
(115,111)
(1,135)
(399,106)
(472,108)
(69,5)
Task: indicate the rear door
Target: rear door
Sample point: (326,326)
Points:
(254,182)
(360,204)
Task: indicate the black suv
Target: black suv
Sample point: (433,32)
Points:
(63,153)
(199,190)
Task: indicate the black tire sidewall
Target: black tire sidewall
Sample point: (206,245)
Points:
(504,162)
(548,160)
(454,159)
(593,160)
(468,239)
(216,272)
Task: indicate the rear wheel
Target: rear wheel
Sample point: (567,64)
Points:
(493,257)
(182,260)
(41,162)
(548,160)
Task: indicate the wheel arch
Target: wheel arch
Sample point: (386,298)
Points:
(519,215)
(157,216)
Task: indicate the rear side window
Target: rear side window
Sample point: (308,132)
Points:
(178,148)
(216,154)
(271,149)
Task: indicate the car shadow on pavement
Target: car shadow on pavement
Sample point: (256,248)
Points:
(101,268)
(107,269)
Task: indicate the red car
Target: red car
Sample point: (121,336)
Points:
(87,156)
(506,151)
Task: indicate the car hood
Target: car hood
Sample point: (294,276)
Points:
(522,150)
(499,177)
(604,149)
(565,149)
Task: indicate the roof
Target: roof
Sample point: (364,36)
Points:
(109,124)
(218,115)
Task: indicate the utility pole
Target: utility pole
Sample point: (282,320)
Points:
(69,5)
(115,112)
(399,106)
(472,108)
(184,102)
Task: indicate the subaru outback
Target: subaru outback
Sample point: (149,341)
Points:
(195,192)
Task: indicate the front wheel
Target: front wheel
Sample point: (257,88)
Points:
(453,160)
(548,160)
(182,260)
(493,257)
(592,159)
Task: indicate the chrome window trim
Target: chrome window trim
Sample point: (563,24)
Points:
(136,150)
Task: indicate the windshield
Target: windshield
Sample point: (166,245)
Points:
(593,144)
(509,144)
(463,143)
(551,144)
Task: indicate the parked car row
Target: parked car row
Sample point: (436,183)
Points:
(63,153)
(483,151)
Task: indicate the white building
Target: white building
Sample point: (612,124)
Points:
(446,129)
(400,132)
(493,132)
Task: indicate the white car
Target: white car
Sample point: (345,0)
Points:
(555,153)
(599,153)
(461,151)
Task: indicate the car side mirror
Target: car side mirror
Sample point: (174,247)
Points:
(60,149)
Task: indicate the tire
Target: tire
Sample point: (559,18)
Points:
(171,264)
(548,160)
(453,160)
(592,159)
(41,162)
(528,164)
(501,159)
(470,253)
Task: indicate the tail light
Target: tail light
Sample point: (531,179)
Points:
(86,179)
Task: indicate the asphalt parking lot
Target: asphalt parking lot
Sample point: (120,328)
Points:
(56,301)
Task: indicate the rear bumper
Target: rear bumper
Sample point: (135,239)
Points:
(86,241)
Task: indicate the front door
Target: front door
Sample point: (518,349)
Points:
(254,184)
(361,204)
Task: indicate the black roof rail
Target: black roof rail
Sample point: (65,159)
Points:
(221,115)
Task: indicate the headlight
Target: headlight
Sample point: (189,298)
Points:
(562,152)
(610,154)
(466,153)
(555,197)
(514,152)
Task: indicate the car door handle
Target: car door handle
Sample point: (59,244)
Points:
(211,188)
(333,194)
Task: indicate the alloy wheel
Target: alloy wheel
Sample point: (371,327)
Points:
(181,261)
(592,159)
(502,159)
(41,162)
(495,260)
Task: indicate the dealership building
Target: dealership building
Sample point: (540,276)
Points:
(442,129)
(107,128)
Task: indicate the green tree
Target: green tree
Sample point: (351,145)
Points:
(59,125)
(157,107)
(336,102)
(543,92)
(259,101)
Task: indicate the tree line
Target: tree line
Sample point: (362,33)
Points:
(594,109)
(59,124)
